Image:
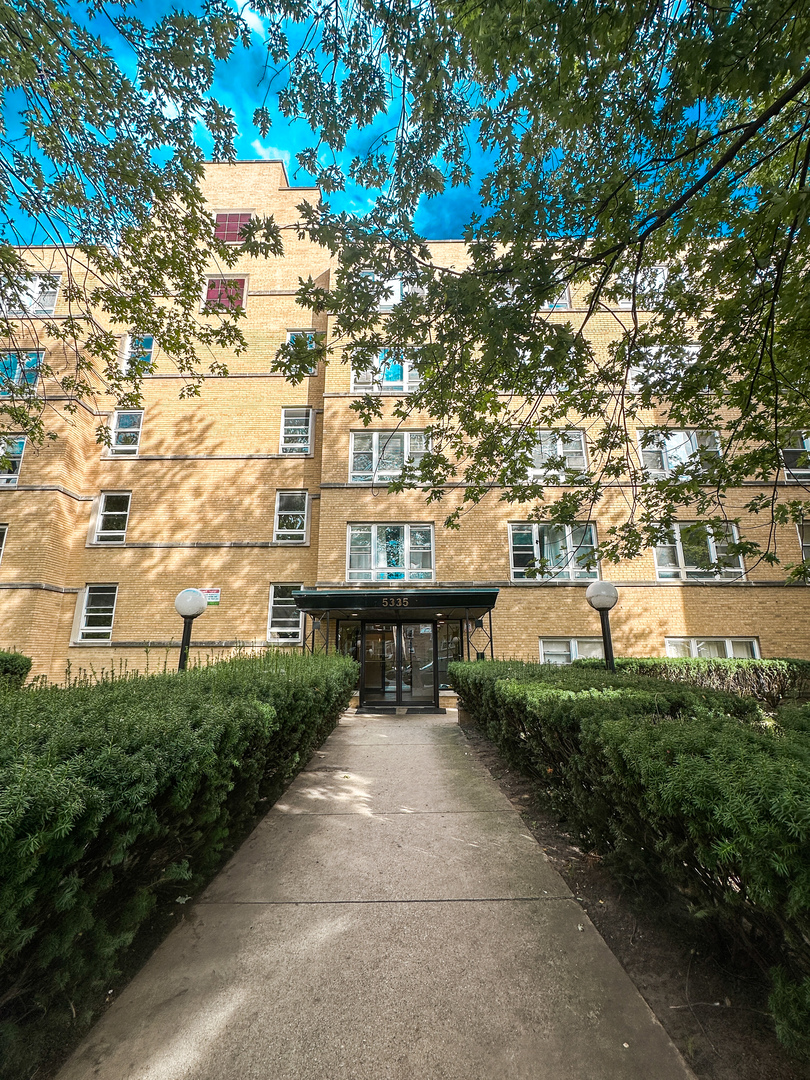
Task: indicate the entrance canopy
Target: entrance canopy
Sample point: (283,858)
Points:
(396,604)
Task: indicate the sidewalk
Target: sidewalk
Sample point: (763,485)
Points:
(390,919)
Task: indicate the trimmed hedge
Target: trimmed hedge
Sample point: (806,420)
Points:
(14,668)
(695,788)
(771,681)
(123,795)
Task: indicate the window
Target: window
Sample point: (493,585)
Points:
(224,293)
(10,461)
(563,301)
(562,551)
(796,456)
(664,452)
(136,351)
(724,648)
(3,531)
(229,227)
(804,539)
(18,369)
(380,455)
(390,553)
(568,445)
(564,650)
(648,281)
(388,375)
(126,432)
(37,296)
(292,517)
(285,624)
(662,364)
(311,339)
(296,431)
(393,288)
(691,551)
(98,612)
(113,514)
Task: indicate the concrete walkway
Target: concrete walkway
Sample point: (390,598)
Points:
(390,919)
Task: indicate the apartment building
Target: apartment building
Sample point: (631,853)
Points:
(273,496)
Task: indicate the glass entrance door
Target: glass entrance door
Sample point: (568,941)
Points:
(418,667)
(379,678)
(399,664)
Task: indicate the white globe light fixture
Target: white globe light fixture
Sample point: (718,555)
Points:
(190,603)
(602,596)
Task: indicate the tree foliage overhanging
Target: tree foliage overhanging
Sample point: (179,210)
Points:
(620,139)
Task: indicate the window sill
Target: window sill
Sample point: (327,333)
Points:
(89,644)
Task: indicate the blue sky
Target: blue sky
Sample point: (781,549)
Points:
(240,85)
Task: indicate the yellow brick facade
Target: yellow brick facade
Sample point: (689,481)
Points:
(203,493)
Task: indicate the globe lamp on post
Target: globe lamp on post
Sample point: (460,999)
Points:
(189,603)
(602,596)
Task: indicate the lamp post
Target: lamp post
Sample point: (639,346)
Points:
(602,596)
(189,603)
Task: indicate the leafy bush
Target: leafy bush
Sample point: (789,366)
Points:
(770,681)
(119,796)
(14,668)
(675,784)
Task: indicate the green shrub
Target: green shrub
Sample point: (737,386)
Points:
(676,784)
(14,668)
(120,796)
(770,681)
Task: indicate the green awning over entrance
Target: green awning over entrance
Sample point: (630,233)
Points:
(397,604)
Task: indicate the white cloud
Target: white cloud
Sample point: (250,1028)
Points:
(253,21)
(270,153)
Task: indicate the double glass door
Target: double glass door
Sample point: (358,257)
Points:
(399,664)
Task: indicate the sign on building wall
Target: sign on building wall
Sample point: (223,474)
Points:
(211,595)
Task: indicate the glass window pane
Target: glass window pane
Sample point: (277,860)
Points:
(390,550)
(590,648)
(678,647)
(695,545)
(710,649)
(556,651)
(743,650)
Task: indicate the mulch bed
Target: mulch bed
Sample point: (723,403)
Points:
(713,1006)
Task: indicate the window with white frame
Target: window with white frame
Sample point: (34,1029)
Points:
(649,280)
(665,452)
(291,524)
(3,532)
(37,296)
(697,553)
(296,431)
(390,553)
(738,648)
(379,456)
(19,369)
(285,622)
(662,363)
(224,293)
(136,352)
(565,650)
(557,453)
(11,455)
(311,339)
(804,539)
(112,517)
(796,456)
(561,303)
(125,433)
(389,375)
(562,552)
(393,290)
(98,611)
